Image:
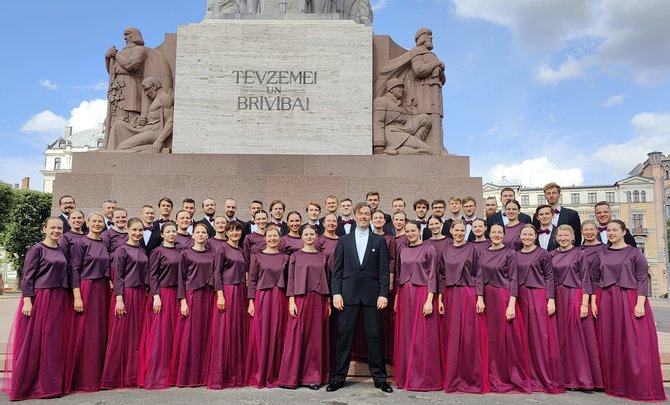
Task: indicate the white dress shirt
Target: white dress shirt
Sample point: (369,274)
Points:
(362,237)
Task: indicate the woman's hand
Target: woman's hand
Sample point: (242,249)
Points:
(428,308)
(184,308)
(250,308)
(120,308)
(221,302)
(510,313)
(27,307)
(158,304)
(639,310)
(292,308)
(551,306)
(583,311)
(440,304)
(480,304)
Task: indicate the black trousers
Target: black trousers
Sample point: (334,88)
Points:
(372,323)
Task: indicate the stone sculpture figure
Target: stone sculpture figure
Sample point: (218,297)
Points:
(217,7)
(319,6)
(359,11)
(149,131)
(423,75)
(127,68)
(394,132)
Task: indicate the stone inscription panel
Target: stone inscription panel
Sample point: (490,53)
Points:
(273,87)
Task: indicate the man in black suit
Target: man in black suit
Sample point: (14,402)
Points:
(346,222)
(373,200)
(209,208)
(165,210)
(66,204)
(250,225)
(313,211)
(108,207)
(506,194)
(562,215)
(469,205)
(277,208)
(421,210)
(397,205)
(604,216)
(546,231)
(188,204)
(360,282)
(437,207)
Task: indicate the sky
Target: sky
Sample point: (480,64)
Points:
(572,91)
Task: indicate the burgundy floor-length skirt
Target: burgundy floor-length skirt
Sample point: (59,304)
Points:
(465,350)
(546,375)
(266,338)
(89,337)
(628,346)
(36,349)
(306,345)
(416,363)
(158,336)
(229,339)
(193,341)
(122,356)
(577,343)
(508,350)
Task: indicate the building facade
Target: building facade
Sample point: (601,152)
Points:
(642,201)
(58,155)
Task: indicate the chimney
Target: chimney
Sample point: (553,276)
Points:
(25,183)
(68,132)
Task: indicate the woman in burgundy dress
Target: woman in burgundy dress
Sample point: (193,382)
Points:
(305,361)
(463,327)
(507,347)
(184,220)
(255,241)
(292,241)
(35,362)
(479,230)
(90,286)
(388,321)
(417,338)
(230,328)
(537,308)
(326,244)
(438,240)
(127,314)
(577,344)
(195,291)
(160,327)
(627,336)
(67,241)
(219,237)
(268,308)
(591,246)
(513,227)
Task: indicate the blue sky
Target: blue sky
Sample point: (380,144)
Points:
(573,91)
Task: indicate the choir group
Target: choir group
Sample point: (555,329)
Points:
(507,303)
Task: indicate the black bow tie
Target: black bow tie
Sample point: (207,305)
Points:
(110,223)
(557,211)
(468,222)
(348,221)
(543,231)
(602,228)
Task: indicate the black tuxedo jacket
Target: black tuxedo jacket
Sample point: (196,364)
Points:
(552,240)
(361,284)
(210,229)
(283,227)
(339,231)
(66,225)
(570,217)
(155,239)
(627,237)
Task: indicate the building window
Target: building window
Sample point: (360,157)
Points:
(62,143)
(609,196)
(57,163)
(667,174)
(638,221)
(592,217)
(636,196)
(592,198)
(101,142)
(628,199)
(541,200)
(525,200)
(574,198)
(643,196)
(642,246)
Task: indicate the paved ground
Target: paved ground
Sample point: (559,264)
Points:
(357,391)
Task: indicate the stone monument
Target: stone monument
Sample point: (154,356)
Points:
(288,99)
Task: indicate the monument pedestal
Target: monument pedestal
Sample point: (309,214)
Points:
(137,179)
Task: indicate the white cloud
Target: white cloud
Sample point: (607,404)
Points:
(47,84)
(651,133)
(608,36)
(570,69)
(88,115)
(535,172)
(45,122)
(13,170)
(613,100)
(379,4)
(101,85)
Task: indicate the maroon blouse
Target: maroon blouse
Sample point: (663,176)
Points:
(130,267)
(498,268)
(230,266)
(196,270)
(535,270)
(266,271)
(626,267)
(163,268)
(253,243)
(416,265)
(307,273)
(89,261)
(289,244)
(43,267)
(511,239)
(571,269)
(457,266)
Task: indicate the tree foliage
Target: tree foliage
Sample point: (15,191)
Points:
(6,195)
(26,211)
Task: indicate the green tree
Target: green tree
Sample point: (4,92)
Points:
(27,211)
(6,195)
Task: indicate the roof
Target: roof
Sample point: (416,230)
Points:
(88,137)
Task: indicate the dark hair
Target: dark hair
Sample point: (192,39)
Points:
(200,224)
(438,201)
(539,207)
(415,223)
(167,200)
(134,220)
(507,189)
(497,224)
(599,203)
(257,202)
(167,224)
(232,225)
(293,213)
(66,196)
(362,205)
(275,202)
(371,193)
(346,199)
(261,212)
(188,201)
(480,219)
(306,226)
(180,211)
(513,201)
(400,212)
(420,201)
(621,224)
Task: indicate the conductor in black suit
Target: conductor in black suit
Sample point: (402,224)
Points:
(360,282)
(562,215)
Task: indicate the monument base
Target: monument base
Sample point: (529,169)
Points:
(138,179)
